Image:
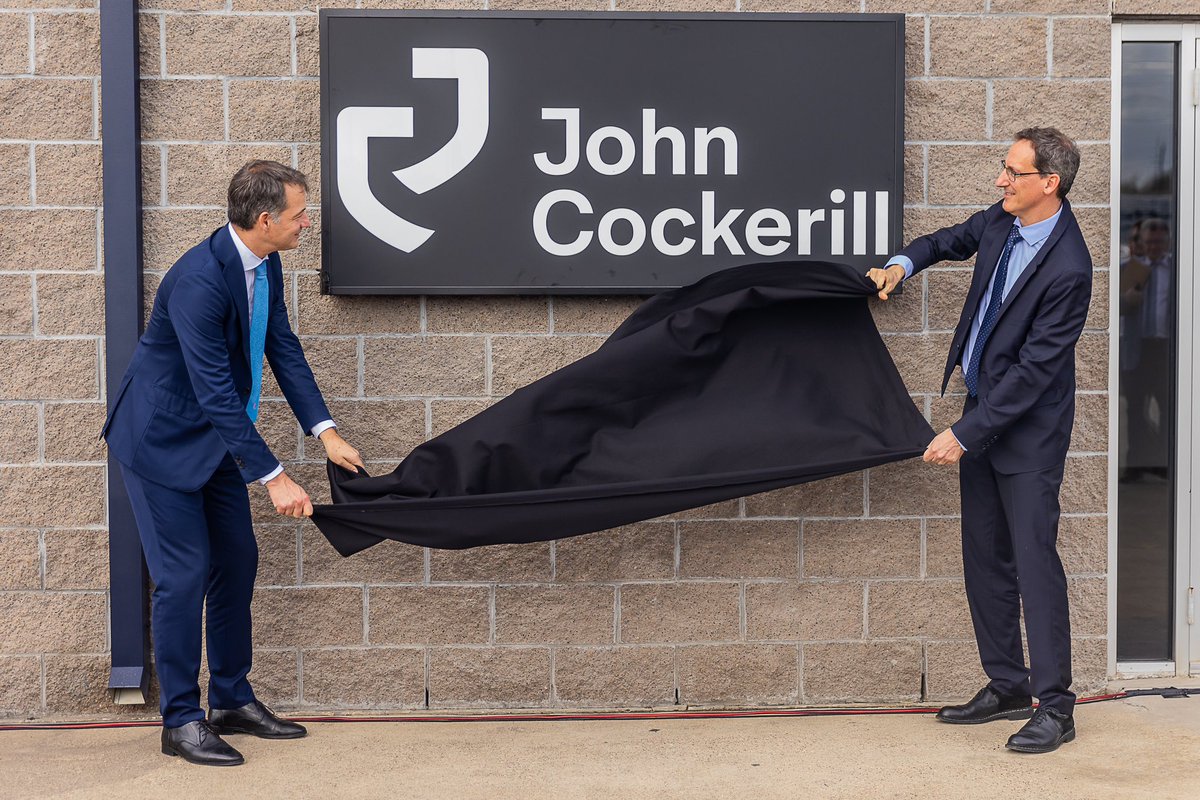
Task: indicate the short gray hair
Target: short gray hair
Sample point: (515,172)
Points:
(1053,154)
(261,186)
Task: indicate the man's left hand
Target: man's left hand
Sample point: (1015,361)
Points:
(944,449)
(339,451)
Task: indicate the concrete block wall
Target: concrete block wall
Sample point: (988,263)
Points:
(846,590)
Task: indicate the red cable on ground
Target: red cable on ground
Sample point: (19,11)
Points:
(574,717)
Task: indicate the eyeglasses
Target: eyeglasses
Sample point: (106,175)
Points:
(1013,174)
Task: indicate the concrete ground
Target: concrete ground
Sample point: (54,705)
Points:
(1145,747)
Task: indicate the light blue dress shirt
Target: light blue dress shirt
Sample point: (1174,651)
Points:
(1032,238)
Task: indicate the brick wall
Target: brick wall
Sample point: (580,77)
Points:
(845,590)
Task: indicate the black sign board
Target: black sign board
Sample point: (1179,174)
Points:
(478,153)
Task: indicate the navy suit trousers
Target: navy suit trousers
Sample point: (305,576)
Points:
(200,549)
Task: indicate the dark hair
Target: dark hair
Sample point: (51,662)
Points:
(261,186)
(1053,154)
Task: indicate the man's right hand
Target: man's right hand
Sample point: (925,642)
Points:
(887,279)
(289,499)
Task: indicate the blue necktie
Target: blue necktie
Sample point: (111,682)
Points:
(258,338)
(971,375)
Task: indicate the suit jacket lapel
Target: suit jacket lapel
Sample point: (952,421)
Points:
(235,278)
(1038,258)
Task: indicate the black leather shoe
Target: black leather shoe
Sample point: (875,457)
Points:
(1044,733)
(198,743)
(988,705)
(255,719)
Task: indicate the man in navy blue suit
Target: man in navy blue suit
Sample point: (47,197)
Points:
(182,428)
(1015,343)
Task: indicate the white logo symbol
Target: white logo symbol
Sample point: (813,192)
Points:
(358,124)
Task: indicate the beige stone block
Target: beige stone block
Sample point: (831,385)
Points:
(971,46)
(275,111)
(149,46)
(70,305)
(864,548)
(915,36)
(278,427)
(1083,544)
(920,359)
(169,233)
(592,314)
(199,174)
(20,684)
(519,361)
(840,496)
(78,685)
(14,57)
(72,432)
(354,314)
(16,306)
(690,6)
(67,44)
(804,611)
(614,676)
(308,46)
(952,671)
(182,109)
(1090,434)
(861,672)
(1092,181)
(376,678)
(500,677)
(309,162)
(277,561)
(1052,6)
(424,365)
(1020,104)
(422,615)
(312,477)
(1091,361)
(947,292)
(68,174)
(802,6)
(903,312)
(186,5)
(57,239)
(914,175)
(1089,665)
(20,561)
(152,175)
(76,559)
(486,314)
(723,510)
(642,551)
(1098,311)
(447,414)
(334,364)
(35,369)
(943,547)
(762,674)
(407,4)
(964,174)
(739,549)
(18,433)
(926,609)
(14,169)
(922,221)
(555,614)
(53,622)
(275,677)
(502,563)
(255,46)
(1088,599)
(679,612)
(945,411)
(310,616)
(1082,47)
(548,5)
(382,430)
(46,109)
(929,7)
(307,257)
(1096,225)
(945,110)
(914,488)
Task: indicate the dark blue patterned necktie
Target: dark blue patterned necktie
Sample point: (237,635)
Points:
(971,374)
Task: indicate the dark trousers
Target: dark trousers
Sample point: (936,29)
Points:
(200,549)
(1009,528)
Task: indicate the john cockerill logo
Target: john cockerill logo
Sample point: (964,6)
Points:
(356,125)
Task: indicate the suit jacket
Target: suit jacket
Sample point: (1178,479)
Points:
(182,403)
(1025,408)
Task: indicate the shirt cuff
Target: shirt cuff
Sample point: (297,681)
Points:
(903,261)
(272,475)
(955,435)
(321,427)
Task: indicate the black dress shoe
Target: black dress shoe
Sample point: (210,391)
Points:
(255,719)
(988,705)
(198,743)
(1044,733)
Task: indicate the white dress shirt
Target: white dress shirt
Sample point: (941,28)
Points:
(250,262)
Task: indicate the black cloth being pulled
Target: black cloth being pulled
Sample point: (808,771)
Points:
(751,379)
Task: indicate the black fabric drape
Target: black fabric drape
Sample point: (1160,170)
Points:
(751,379)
